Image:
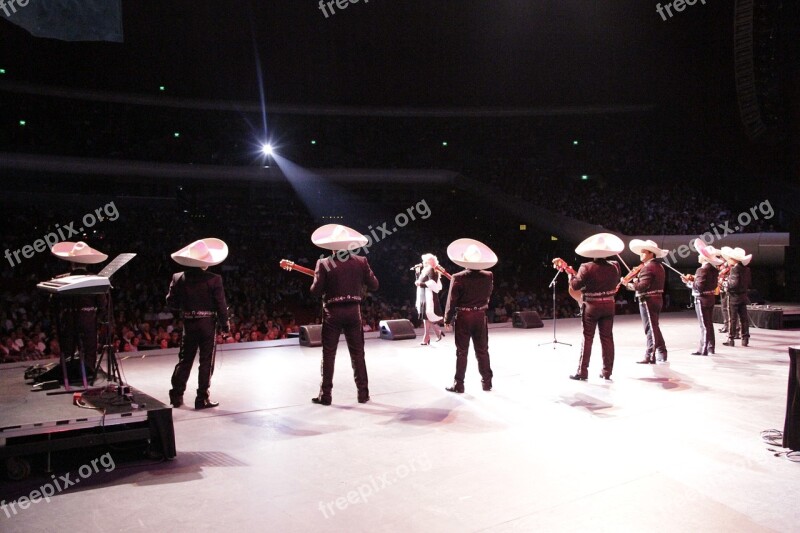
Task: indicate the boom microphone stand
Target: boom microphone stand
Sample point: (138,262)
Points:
(555,314)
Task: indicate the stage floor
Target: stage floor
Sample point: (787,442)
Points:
(671,447)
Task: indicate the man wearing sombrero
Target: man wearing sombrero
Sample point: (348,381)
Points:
(703,283)
(340,280)
(649,287)
(467,302)
(79,313)
(200,297)
(738,283)
(598,280)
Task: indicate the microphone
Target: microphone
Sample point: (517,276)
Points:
(417,266)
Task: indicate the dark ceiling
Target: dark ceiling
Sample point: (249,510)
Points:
(526,53)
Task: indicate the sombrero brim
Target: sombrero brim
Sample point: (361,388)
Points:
(638,245)
(324,238)
(456,253)
(600,245)
(62,251)
(217,252)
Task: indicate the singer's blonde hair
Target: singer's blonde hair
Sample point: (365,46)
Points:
(425,258)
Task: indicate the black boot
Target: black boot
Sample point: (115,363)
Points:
(458,386)
(322,399)
(363,396)
(203,401)
(175,398)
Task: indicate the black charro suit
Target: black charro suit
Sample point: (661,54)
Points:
(703,286)
(649,287)
(200,297)
(340,282)
(467,303)
(738,284)
(598,280)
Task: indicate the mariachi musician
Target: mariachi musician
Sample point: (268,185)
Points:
(200,298)
(703,284)
(79,313)
(738,283)
(648,281)
(467,303)
(598,280)
(340,280)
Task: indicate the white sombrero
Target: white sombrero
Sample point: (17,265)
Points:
(338,237)
(471,254)
(78,252)
(708,252)
(203,253)
(638,245)
(737,254)
(600,245)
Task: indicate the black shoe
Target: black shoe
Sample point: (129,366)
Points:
(487,384)
(578,377)
(729,342)
(439,336)
(321,400)
(646,362)
(457,387)
(204,403)
(363,397)
(426,343)
(698,353)
(175,400)
(746,341)
(605,378)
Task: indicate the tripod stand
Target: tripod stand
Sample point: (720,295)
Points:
(113,373)
(555,319)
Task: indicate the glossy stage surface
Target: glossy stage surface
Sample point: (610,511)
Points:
(673,447)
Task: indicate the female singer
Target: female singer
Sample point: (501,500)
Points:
(429,283)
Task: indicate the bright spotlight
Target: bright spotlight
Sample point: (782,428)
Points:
(266,149)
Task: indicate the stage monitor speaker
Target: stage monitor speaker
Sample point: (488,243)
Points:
(54,372)
(527,320)
(791,428)
(311,335)
(397,330)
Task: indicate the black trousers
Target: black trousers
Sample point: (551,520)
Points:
(79,328)
(650,311)
(597,315)
(472,325)
(199,334)
(740,320)
(704,307)
(345,318)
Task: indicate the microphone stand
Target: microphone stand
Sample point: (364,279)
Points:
(555,340)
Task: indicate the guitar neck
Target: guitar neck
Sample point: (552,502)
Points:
(289,265)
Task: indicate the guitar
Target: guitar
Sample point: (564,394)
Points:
(290,265)
(560,264)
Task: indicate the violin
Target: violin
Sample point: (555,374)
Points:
(632,274)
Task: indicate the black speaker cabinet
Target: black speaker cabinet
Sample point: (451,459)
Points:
(526,320)
(311,335)
(397,330)
(791,428)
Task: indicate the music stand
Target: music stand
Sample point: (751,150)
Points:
(555,314)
